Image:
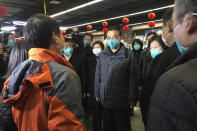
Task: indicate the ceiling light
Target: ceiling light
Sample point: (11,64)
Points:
(19,23)
(8,28)
(118,17)
(63,28)
(76,8)
(54,2)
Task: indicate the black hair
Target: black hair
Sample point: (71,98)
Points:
(139,42)
(68,40)
(100,43)
(115,28)
(158,39)
(39,30)
(88,34)
(151,33)
(18,54)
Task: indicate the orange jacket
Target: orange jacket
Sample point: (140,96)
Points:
(45,94)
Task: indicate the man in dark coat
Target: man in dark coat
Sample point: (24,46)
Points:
(159,66)
(114,83)
(173,104)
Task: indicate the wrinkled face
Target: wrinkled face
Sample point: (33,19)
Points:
(68,45)
(155,45)
(113,35)
(97,46)
(88,38)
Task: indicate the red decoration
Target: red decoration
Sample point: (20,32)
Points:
(125,20)
(151,24)
(63,32)
(90,32)
(105,24)
(105,30)
(151,16)
(73,30)
(125,28)
(3,11)
(64,36)
(89,27)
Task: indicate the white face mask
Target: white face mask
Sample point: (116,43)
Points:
(165,42)
(97,51)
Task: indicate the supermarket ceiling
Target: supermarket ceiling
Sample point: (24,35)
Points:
(103,9)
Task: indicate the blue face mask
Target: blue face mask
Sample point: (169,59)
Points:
(10,43)
(86,43)
(180,48)
(68,51)
(96,51)
(155,52)
(112,43)
(136,47)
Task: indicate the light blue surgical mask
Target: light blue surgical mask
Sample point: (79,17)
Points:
(97,51)
(86,43)
(112,43)
(136,47)
(68,51)
(155,52)
(11,43)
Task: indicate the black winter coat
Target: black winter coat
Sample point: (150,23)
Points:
(114,78)
(158,66)
(173,105)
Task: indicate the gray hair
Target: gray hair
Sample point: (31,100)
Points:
(182,7)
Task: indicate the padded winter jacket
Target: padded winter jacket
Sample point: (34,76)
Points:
(45,94)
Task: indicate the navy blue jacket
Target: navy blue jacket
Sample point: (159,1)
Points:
(114,78)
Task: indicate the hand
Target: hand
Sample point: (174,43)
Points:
(84,95)
(88,94)
(98,99)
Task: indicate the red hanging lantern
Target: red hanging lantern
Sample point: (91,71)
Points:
(3,11)
(105,30)
(151,24)
(89,27)
(105,24)
(125,28)
(151,16)
(63,32)
(64,36)
(125,20)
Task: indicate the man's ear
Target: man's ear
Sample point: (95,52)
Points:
(54,38)
(191,23)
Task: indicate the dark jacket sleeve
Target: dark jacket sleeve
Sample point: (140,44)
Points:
(172,107)
(97,82)
(132,81)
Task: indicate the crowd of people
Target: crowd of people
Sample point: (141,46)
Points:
(51,83)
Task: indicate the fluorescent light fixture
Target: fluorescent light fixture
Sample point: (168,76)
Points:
(1,32)
(118,17)
(8,28)
(13,32)
(19,23)
(76,8)
(63,28)
(55,2)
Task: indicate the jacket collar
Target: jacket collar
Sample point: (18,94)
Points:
(44,55)
(190,54)
(121,52)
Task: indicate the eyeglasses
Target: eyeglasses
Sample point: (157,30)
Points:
(112,38)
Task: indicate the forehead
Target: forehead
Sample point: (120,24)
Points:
(87,37)
(97,45)
(113,32)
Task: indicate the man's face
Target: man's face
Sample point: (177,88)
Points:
(68,45)
(113,34)
(155,45)
(59,41)
(88,38)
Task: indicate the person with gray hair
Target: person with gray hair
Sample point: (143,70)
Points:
(173,105)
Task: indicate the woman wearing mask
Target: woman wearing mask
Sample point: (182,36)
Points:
(156,47)
(19,54)
(98,47)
